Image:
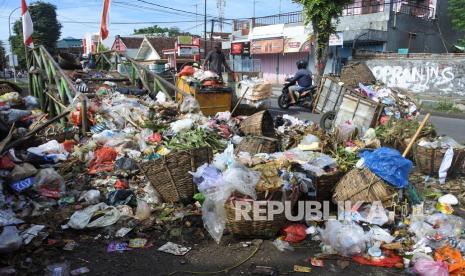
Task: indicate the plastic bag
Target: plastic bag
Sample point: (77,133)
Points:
(388,164)
(31,102)
(7,217)
(453,257)
(58,269)
(236,178)
(49,180)
(345,131)
(445,165)
(14,115)
(10,239)
(143,136)
(282,245)
(346,238)
(104,160)
(6,162)
(294,233)
(143,210)
(189,105)
(161,97)
(424,267)
(206,177)
(181,125)
(52,149)
(91,196)
(224,159)
(80,219)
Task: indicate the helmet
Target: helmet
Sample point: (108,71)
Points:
(302,64)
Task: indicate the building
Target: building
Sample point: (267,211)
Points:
(127,45)
(90,43)
(413,26)
(151,48)
(70,45)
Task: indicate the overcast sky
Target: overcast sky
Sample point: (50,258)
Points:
(72,11)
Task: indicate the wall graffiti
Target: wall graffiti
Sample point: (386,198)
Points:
(420,76)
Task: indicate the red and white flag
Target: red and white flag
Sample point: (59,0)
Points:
(105,20)
(27,25)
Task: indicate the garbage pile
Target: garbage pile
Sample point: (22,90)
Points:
(149,165)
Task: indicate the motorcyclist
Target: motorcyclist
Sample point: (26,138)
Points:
(301,81)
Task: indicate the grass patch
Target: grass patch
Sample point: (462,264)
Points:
(449,107)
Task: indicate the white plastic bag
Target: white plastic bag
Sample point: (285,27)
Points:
(224,159)
(346,238)
(161,97)
(80,219)
(91,196)
(445,165)
(345,131)
(189,105)
(181,125)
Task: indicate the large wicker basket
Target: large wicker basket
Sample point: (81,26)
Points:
(363,185)
(259,228)
(254,145)
(259,124)
(325,185)
(429,160)
(170,175)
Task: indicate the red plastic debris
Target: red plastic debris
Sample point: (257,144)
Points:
(294,233)
(6,162)
(390,259)
(104,160)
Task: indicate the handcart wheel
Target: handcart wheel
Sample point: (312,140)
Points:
(327,120)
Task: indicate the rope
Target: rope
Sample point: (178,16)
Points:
(226,270)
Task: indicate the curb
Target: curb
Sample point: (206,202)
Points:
(444,114)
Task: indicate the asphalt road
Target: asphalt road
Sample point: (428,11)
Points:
(452,127)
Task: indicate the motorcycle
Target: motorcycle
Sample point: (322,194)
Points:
(304,98)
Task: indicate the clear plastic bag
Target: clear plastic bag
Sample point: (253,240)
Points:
(91,196)
(282,245)
(346,238)
(345,131)
(22,171)
(445,165)
(224,159)
(206,177)
(189,105)
(143,210)
(49,179)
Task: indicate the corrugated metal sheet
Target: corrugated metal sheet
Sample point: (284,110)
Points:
(287,65)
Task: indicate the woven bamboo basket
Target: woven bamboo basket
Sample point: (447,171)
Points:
(170,176)
(429,160)
(259,228)
(259,124)
(325,185)
(254,145)
(363,185)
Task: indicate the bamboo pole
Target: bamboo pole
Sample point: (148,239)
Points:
(414,138)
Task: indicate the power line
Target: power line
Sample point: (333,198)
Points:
(130,23)
(145,8)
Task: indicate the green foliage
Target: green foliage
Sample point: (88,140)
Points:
(47,30)
(457,12)
(447,106)
(161,31)
(323,15)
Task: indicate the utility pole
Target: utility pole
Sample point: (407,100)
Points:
(12,55)
(205,32)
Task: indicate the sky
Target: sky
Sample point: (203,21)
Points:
(80,17)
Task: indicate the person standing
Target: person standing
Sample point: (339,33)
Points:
(216,60)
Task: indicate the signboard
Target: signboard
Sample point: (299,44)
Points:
(187,51)
(185,39)
(237,48)
(296,45)
(402,51)
(336,39)
(13,60)
(269,46)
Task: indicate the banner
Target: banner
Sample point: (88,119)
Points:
(237,48)
(336,39)
(269,46)
(27,25)
(297,45)
(105,20)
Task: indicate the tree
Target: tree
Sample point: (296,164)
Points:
(2,56)
(457,12)
(323,14)
(160,31)
(47,30)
